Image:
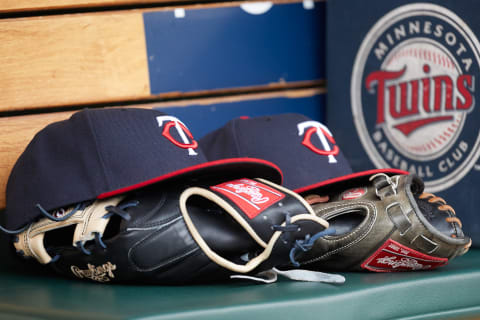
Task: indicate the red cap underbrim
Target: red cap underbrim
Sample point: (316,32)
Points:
(224,169)
(349,177)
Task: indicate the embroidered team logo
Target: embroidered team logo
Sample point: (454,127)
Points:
(313,129)
(413,94)
(170,123)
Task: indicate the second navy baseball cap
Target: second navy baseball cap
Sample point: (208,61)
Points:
(304,149)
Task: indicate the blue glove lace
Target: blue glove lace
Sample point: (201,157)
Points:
(302,245)
(61,215)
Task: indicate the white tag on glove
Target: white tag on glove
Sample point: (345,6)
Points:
(270,276)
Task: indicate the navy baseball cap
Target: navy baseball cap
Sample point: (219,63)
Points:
(98,153)
(304,149)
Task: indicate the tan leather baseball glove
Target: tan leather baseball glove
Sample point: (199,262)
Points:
(383,223)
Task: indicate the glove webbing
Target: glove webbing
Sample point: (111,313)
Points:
(386,190)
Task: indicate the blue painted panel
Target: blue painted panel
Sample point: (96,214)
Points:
(227,47)
(202,119)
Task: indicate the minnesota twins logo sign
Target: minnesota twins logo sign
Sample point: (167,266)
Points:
(413,94)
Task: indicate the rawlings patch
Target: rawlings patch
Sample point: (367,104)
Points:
(101,273)
(393,257)
(354,193)
(250,196)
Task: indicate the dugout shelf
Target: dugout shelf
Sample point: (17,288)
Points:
(451,292)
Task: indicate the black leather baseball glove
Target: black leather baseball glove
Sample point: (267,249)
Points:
(174,235)
(384,223)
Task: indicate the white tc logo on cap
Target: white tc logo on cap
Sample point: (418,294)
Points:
(323,134)
(182,130)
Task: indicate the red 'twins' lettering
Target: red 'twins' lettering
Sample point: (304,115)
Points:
(441,86)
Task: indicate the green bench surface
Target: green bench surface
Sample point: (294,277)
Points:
(451,292)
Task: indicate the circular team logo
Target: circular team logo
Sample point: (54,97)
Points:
(413,94)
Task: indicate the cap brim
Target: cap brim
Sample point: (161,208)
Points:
(221,170)
(349,179)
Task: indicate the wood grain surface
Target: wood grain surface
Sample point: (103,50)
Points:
(72,59)
(36,5)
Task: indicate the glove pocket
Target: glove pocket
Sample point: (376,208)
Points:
(163,247)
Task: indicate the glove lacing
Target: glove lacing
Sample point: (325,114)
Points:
(62,215)
(111,210)
(307,244)
(443,206)
(299,245)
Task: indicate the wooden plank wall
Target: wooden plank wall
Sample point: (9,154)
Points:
(32,5)
(54,63)
(72,59)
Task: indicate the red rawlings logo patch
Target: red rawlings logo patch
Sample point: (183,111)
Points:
(392,257)
(354,193)
(252,197)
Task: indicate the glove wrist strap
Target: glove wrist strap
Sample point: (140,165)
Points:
(267,245)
